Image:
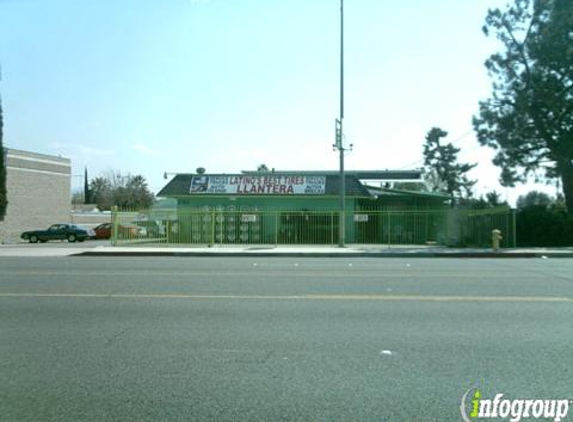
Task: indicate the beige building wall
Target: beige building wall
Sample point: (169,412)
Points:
(38,190)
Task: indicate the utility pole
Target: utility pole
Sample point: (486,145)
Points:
(339,144)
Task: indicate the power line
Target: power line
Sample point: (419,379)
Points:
(458,139)
(465,135)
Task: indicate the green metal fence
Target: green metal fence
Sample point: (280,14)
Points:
(476,226)
(450,227)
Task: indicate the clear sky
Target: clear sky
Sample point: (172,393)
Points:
(154,86)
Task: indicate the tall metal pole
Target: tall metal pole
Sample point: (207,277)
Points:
(340,138)
(341,60)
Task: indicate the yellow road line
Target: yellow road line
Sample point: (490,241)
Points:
(325,297)
(297,272)
(423,298)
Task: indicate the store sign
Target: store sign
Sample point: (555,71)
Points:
(259,185)
(248,218)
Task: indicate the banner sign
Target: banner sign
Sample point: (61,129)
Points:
(249,218)
(259,185)
(361,218)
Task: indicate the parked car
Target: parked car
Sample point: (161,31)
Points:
(71,232)
(149,228)
(103,231)
(129,231)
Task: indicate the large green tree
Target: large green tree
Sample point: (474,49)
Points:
(441,161)
(134,194)
(3,191)
(101,193)
(124,191)
(534,198)
(529,118)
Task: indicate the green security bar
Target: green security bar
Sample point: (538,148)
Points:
(447,227)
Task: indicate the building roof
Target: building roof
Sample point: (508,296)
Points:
(379,191)
(32,162)
(180,185)
(359,174)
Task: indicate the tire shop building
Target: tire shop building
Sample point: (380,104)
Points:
(297,207)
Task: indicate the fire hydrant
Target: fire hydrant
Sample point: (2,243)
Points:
(495,239)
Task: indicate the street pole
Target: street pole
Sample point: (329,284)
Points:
(340,139)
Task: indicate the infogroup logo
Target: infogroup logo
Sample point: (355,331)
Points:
(515,410)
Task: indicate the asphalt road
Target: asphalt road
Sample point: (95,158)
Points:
(279,339)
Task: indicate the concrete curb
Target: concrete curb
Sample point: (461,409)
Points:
(287,254)
(245,251)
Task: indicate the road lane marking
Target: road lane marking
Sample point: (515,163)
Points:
(423,298)
(323,297)
(300,273)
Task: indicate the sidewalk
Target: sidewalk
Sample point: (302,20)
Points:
(316,251)
(356,251)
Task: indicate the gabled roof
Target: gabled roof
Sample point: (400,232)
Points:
(180,185)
